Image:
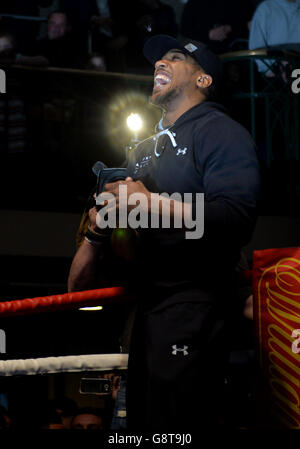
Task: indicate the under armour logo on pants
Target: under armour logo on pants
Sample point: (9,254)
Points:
(176,350)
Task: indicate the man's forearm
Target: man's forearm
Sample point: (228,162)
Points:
(82,274)
(170,211)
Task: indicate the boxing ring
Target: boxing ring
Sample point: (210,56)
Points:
(71,363)
(276,292)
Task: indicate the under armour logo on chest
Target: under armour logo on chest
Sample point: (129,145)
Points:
(175,350)
(180,151)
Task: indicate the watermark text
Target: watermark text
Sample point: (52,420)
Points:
(163,211)
(296,343)
(2,82)
(2,342)
(296,82)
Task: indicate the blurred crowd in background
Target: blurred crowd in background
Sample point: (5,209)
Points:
(109,34)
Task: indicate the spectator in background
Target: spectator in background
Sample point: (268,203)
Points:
(25,31)
(58,26)
(275,22)
(155,17)
(118,395)
(80,12)
(100,25)
(46,7)
(58,413)
(66,409)
(255,4)
(122,35)
(13,127)
(7,47)
(147,18)
(51,420)
(108,32)
(61,48)
(9,52)
(119,412)
(119,28)
(218,24)
(88,418)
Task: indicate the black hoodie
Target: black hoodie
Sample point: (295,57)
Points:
(204,151)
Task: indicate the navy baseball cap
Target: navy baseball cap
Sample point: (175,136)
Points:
(158,45)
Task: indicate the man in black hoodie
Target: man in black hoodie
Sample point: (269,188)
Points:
(184,284)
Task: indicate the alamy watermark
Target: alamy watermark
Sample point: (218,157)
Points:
(296,83)
(152,213)
(2,82)
(2,342)
(296,343)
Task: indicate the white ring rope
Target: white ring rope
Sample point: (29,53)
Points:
(70,363)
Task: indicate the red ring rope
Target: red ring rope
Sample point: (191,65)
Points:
(101,296)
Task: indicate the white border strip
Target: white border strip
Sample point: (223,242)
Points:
(91,362)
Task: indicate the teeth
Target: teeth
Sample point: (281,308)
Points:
(161,77)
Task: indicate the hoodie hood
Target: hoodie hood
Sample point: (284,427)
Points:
(197,112)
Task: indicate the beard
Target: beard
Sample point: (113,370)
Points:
(165,99)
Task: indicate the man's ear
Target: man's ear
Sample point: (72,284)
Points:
(204,81)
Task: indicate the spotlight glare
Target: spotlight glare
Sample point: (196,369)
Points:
(134,122)
(91,309)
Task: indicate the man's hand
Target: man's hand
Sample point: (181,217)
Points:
(92,217)
(219,33)
(248,308)
(149,203)
(132,187)
(115,384)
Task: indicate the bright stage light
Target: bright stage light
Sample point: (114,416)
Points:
(125,105)
(91,309)
(134,122)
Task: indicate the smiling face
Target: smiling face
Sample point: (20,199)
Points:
(175,77)
(57,26)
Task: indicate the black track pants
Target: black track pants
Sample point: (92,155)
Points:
(176,368)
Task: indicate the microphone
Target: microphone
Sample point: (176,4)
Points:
(106,175)
(97,167)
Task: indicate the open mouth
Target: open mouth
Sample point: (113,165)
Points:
(160,81)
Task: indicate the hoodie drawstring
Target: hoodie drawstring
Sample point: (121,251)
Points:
(171,136)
